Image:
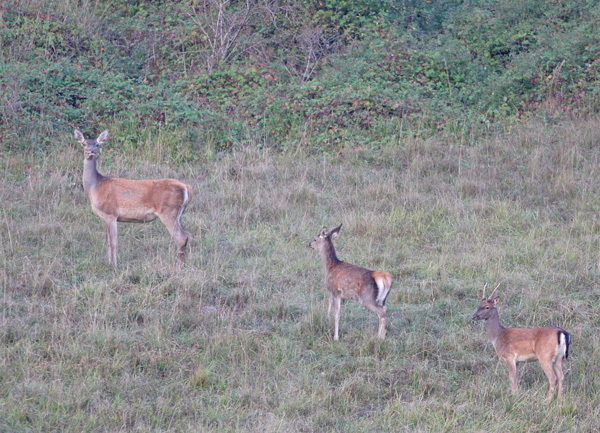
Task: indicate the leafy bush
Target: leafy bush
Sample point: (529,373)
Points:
(319,73)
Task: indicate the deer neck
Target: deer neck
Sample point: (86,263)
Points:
(91,177)
(493,326)
(328,257)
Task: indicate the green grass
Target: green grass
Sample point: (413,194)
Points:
(240,341)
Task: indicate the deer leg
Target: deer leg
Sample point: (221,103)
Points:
(549,372)
(111,241)
(382,326)
(173,225)
(380,311)
(512,374)
(181,238)
(337,304)
(561,376)
(181,245)
(382,322)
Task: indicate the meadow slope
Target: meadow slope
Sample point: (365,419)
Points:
(240,341)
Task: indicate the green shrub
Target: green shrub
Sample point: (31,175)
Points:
(320,74)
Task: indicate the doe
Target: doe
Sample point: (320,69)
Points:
(115,199)
(346,281)
(548,345)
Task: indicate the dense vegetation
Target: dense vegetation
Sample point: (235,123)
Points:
(320,73)
(457,141)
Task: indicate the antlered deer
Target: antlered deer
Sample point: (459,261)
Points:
(115,199)
(548,345)
(346,281)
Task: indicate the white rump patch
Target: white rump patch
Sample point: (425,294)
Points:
(561,349)
(383,291)
(186,198)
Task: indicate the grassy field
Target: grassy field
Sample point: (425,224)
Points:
(240,340)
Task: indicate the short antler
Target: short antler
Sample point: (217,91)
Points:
(492,295)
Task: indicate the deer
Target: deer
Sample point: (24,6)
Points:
(548,345)
(115,199)
(346,281)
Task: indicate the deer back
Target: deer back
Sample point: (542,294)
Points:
(350,281)
(528,344)
(138,200)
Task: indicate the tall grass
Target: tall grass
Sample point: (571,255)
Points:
(240,341)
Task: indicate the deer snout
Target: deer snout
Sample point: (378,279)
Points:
(475,317)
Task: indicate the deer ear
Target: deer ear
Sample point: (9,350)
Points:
(495,300)
(323,233)
(79,136)
(102,138)
(333,233)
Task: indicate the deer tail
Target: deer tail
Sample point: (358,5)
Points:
(189,193)
(383,280)
(564,341)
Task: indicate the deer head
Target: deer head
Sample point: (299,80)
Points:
(324,239)
(90,147)
(487,305)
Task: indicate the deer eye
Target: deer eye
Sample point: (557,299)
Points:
(487,308)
